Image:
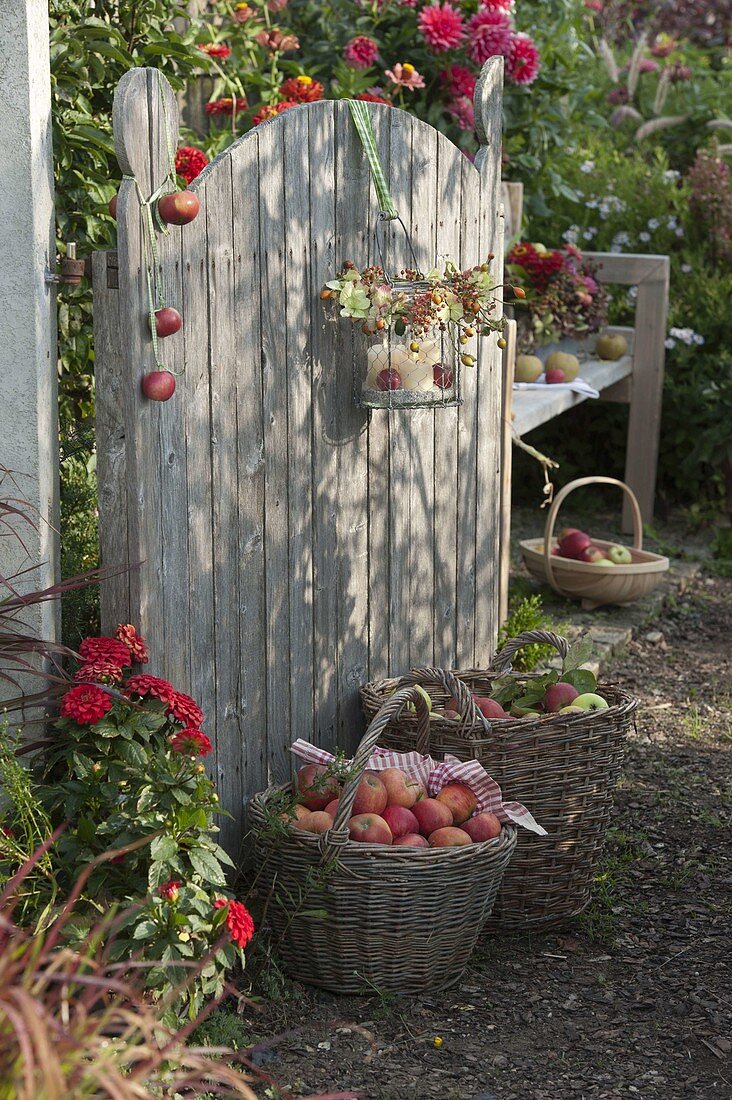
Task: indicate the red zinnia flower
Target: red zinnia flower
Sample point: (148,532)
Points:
(442,27)
(86,704)
(461,81)
(191,742)
(103,672)
(144,685)
(369,97)
(302,89)
(522,63)
(106,649)
(490,35)
(497,5)
(238,921)
(169,890)
(270,110)
(216,49)
(126,633)
(361,52)
(189,163)
(184,709)
(227,105)
(277,42)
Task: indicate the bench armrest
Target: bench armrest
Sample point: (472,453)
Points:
(629,268)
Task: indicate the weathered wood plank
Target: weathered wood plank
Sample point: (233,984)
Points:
(504,531)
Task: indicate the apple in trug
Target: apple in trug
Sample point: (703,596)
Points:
(524,712)
(411,840)
(167,321)
(611,345)
(459,799)
(603,561)
(158,385)
(489,708)
(443,377)
(485,826)
(554,377)
(558,696)
(591,554)
(590,701)
(401,790)
(572,710)
(112,207)
(294,813)
(332,807)
(528,368)
(371,796)
(179,208)
(317,788)
(621,555)
(566,363)
(369,829)
(573,543)
(400,820)
(315,821)
(431,815)
(449,837)
(389,379)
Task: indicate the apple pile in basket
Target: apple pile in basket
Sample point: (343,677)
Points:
(578,546)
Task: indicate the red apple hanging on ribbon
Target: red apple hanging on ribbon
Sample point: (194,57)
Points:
(158,385)
(178,208)
(167,321)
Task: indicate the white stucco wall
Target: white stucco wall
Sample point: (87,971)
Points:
(28,390)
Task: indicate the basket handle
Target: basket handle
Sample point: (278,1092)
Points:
(470,715)
(502,662)
(553,511)
(337,835)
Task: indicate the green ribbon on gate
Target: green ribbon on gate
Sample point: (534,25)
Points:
(365,131)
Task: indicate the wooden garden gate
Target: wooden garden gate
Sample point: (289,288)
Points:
(292,545)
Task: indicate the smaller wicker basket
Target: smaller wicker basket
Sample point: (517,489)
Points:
(404,920)
(562,767)
(594,584)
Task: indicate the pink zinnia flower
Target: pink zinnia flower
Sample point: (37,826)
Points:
(461,81)
(497,5)
(522,63)
(462,111)
(405,76)
(593,5)
(442,27)
(361,52)
(490,35)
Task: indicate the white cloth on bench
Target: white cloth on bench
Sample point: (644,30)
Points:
(579,386)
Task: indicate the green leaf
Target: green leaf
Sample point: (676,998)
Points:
(580,652)
(207,866)
(144,929)
(582,679)
(314,914)
(163,848)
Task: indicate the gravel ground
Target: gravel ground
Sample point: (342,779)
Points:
(632,999)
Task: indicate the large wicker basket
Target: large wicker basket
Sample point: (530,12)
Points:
(350,916)
(563,768)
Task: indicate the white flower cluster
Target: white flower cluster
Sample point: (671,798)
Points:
(606,206)
(620,240)
(571,235)
(685,336)
(587,166)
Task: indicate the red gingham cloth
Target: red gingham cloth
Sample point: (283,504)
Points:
(434,776)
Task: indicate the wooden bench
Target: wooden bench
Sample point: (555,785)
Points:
(636,379)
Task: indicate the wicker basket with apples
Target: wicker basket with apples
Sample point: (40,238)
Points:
(368,883)
(593,570)
(554,740)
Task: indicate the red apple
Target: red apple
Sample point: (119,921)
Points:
(558,696)
(294,814)
(400,789)
(179,208)
(369,829)
(370,796)
(443,377)
(112,207)
(485,826)
(158,385)
(489,708)
(167,321)
(332,807)
(591,553)
(554,375)
(460,801)
(411,840)
(573,542)
(315,821)
(449,838)
(431,815)
(400,820)
(389,379)
(316,787)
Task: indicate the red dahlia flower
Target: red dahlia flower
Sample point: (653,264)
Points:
(216,49)
(85,704)
(169,890)
(106,649)
(302,89)
(497,5)
(126,633)
(271,110)
(184,709)
(369,97)
(460,81)
(227,105)
(238,921)
(361,52)
(442,27)
(103,672)
(191,742)
(189,163)
(522,63)
(150,685)
(490,35)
